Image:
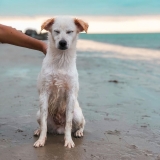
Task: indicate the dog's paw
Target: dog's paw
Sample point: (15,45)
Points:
(39,143)
(79,133)
(69,143)
(37,132)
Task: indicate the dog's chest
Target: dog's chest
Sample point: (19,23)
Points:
(58,85)
(59,82)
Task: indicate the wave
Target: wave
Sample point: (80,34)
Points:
(98,49)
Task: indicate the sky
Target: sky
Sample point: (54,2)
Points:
(79,7)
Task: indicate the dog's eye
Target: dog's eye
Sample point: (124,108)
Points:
(68,32)
(56,31)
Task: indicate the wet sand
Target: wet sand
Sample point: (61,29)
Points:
(119,95)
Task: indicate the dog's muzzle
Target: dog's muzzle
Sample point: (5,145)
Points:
(62,45)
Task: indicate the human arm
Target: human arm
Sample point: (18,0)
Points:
(12,36)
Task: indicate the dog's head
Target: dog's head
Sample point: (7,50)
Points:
(64,30)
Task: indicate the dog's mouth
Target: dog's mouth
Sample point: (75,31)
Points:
(62,48)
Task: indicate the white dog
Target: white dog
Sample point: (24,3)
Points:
(58,82)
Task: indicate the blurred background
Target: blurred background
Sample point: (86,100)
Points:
(119,73)
(119,19)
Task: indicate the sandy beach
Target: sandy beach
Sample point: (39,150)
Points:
(119,95)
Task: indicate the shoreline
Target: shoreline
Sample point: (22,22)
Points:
(97,24)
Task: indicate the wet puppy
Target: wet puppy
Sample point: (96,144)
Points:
(58,82)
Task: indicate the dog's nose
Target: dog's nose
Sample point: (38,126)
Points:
(62,43)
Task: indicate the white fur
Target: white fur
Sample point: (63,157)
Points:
(58,86)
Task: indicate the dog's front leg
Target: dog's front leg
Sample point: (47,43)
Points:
(43,120)
(69,116)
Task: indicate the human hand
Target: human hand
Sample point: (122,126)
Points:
(44,48)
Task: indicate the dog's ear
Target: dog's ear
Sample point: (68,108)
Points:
(81,25)
(47,24)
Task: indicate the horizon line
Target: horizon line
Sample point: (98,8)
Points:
(97,24)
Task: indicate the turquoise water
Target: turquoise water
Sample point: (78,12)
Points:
(146,40)
(78,7)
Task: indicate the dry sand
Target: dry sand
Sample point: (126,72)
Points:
(119,95)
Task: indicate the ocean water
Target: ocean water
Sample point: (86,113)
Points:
(145,40)
(79,7)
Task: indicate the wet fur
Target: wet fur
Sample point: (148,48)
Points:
(58,84)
